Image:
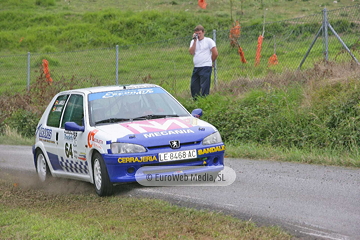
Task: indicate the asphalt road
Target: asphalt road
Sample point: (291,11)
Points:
(310,201)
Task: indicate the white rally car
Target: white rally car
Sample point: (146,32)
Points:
(104,135)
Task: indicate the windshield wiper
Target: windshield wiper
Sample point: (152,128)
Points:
(140,118)
(154,116)
(113,120)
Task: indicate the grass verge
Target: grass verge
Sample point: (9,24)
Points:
(310,156)
(11,137)
(34,213)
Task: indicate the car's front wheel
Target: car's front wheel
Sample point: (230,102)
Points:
(103,186)
(42,167)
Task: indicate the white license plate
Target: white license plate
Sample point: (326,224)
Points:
(180,155)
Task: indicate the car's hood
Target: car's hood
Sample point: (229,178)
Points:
(158,131)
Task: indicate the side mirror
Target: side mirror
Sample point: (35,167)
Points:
(72,126)
(197,113)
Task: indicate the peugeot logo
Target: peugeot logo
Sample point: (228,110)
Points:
(175,144)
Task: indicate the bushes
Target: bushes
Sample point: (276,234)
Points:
(280,111)
(280,117)
(22,111)
(23,121)
(45,3)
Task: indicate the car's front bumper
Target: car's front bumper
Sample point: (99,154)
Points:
(124,168)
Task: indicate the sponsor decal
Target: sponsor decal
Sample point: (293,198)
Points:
(45,133)
(156,125)
(57,102)
(37,129)
(57,109)
(92,141)
(164,133)
(69,150)
(136,159)
(58,105)
(126,92)
(68,137)
(82,156)
(211,150)
(46,140)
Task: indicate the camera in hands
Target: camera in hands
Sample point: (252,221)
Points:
(195,36)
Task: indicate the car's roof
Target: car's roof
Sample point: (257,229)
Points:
(110,88)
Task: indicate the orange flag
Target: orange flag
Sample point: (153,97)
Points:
(234,34)
(273,60)
(45,65)
(258,50)
(202,4)
(242,55)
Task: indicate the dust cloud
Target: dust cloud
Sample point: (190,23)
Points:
(29,180)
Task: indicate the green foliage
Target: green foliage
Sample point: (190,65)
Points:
(278,118)
(22,111)
(23,121)
(97,29)
(342,25)
(300,29)
(48,49)
(52,61)
(339,117)
(45,3)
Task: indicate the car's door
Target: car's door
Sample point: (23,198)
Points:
(49,131)
(72,144)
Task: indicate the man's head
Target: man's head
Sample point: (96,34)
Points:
(200,31)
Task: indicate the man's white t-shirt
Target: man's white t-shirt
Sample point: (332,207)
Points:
(202,56)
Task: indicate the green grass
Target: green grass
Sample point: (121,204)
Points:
(168,63)
(309,156)
(154,38)
(12,137)
(244,10)
(27,213)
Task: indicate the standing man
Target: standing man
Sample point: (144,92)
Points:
(205,53)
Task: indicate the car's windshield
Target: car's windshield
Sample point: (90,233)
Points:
(132,105)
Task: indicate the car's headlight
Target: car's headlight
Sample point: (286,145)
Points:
(117,148)
(212,139)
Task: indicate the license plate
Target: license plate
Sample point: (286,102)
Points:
(180,155)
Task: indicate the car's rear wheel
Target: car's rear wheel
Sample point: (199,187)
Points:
(42,167)
(103,186)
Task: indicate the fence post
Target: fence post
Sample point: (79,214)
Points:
(215,65)
(117,66)
(28,72)
(324,29)
(343,44)
(325,35)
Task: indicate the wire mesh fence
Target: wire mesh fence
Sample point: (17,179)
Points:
(299,42)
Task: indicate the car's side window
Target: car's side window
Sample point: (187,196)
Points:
(74,111)
(54,116)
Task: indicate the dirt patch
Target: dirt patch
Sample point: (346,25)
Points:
(29,181)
